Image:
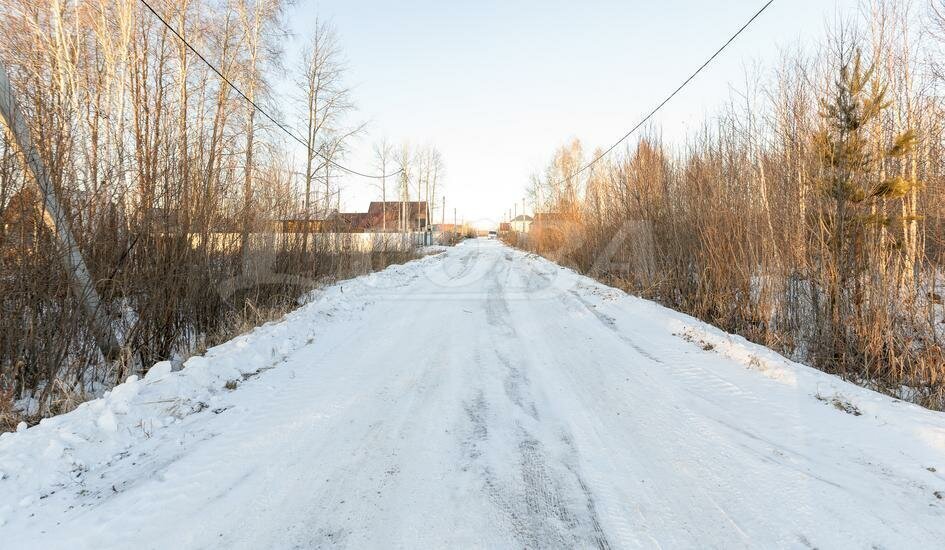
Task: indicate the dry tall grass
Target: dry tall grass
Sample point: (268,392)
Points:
(807,216)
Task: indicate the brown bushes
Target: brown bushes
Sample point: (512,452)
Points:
(807,218)
(175,187)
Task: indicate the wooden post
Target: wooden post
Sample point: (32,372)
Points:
(54,216)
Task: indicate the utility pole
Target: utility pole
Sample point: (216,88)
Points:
(384,196)
(80,282)
(444,211)
(538,203)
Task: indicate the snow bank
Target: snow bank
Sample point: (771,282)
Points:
(433,249)
(59,451)
(894,416)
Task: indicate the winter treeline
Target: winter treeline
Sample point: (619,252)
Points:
(808,215)
(172,181)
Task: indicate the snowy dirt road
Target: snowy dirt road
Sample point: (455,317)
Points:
(480,398)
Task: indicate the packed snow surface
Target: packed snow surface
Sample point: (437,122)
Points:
(480,397)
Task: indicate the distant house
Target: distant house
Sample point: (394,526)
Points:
(505,227)
(301,225)
(521,223)
(390,216)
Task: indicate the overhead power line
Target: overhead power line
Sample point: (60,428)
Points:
(257,107)
(670,96)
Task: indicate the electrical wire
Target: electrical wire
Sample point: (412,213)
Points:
(668,98)
(257,107)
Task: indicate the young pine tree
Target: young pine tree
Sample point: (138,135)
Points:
(856,193)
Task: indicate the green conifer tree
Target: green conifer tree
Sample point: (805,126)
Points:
(856,197)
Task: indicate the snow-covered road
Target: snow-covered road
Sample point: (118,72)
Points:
(480,398)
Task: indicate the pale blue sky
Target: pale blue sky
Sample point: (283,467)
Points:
(497,86)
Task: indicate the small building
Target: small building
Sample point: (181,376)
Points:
(390,216)
(301,225)
(521,223)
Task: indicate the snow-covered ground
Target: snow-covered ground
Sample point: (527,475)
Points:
(480,397)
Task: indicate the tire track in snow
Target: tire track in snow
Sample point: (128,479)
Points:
(625,531)
(713,390)
(611,324)
(497,309)
(536,498)
(516,385)
(540,498)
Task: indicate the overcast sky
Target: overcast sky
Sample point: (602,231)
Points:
(496,86)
